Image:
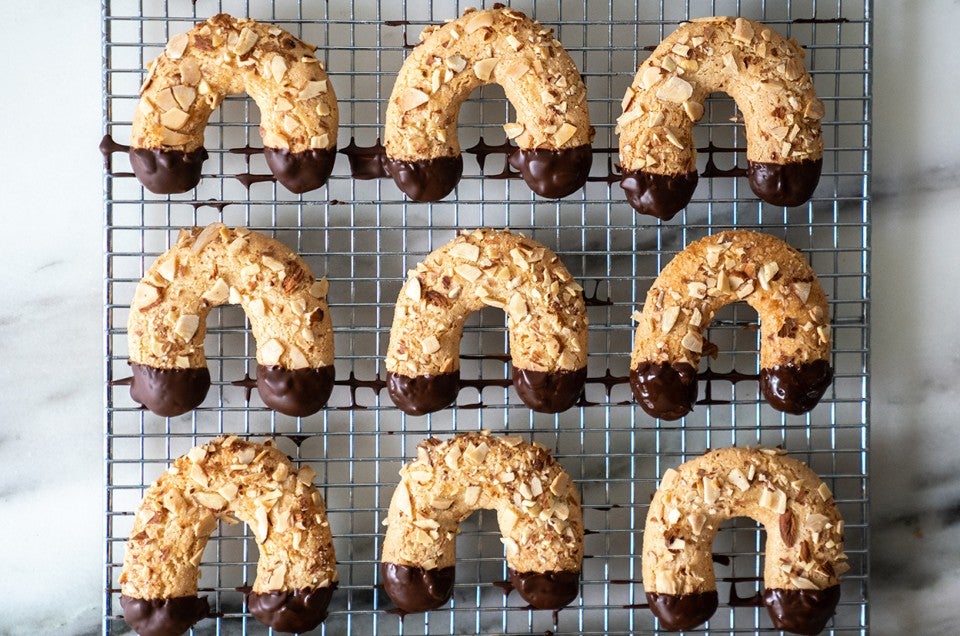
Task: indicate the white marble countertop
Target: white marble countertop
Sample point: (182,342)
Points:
(51,401)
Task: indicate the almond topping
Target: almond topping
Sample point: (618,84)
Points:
(412,98)
(692,342)
(675,90)
(513,130)
(483,69)
(694,111)
(766,274)
(412,289)
(564,134)
(649,77)
(210,500)
(177,45)
(456,63)
(174,119)
(711,491)
(319,288)
(185,96)
(217,294)
(278,66)
(186,326)
(248,38)
(313,89)
(670,315)
(466,251)
(469,272)
(814,109)
(270,352)
(475,454)
(774,500)
(738,479)
(480,20)
(742,31)
(430,345)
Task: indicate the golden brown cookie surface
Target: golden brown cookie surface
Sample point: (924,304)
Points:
(224,56)
(546,317)
(286,306)
(229,479)
(502,46)
(763,71)
(804,553)
(724,268)
(538,509)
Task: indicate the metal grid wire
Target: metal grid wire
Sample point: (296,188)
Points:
(364,236)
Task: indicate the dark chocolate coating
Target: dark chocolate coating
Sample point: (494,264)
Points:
(291,612)
(163,616)
(427,180)
(685,611)
(553,173)
(801,611)
(296,392)
(549,392)
(414,589)
(546,590)
(301,172)
(796,389)
(786,184)
(659,195)
(664,390)
(169,392)
(167,171)
(423,394)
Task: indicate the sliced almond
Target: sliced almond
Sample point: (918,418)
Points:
(650,76)
(564,134)
(517,306)
(456,63)
(246,41)
(320,288)
(210,500)
(174,119)
(483,69)
(513,130)
(430,345)
(476,454)
(692,342)
(766,274)
(186,326)
(218,294)
(146,296)
(468,272)
(471,495)
(738,479)
(261,525)
(467,251)
(184,95)
(745,290)
(669,319)
(513,42)
(312,89)
(177,45)
(774,500)
(297,359)
(508,519)
(412,289)
(676,90)
(412,98)
(693,109)
(814,109)
(482,19)
(711,491)
(269,354)
(278,67)
(742,31)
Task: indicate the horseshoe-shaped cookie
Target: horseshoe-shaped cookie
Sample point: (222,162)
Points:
(286,306)
(546,317)
(229,479)
(537,506)
(733,266)
(765,75)
(502,46)
(804,553)
(224,56)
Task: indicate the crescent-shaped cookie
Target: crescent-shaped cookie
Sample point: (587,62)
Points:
(224,56)
(502,46)
(538,509)
(229,479)
(728,267)
(765,75)
(546,317)
(286,306)
(804,553)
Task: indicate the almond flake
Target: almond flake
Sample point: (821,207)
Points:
(824,491)
(697,289)
(511,546)
(412,289)
(184,95)
(564,134)
(694,111)
(513,42)
(766,274)
(508,519)
(456,63)
(430,345)
(711,491)
(481,20)
(248,38)
(669,478)
(483,69)
(560,484)
(742,31)
(269,354)
(468,272)
(669,319)
(738,479)
(466,251)
(217,294)
(412,98)
(471,495)
(745,290)
(517,306)
(197,475)
(513,129)
(319,288)
(774,500)
(675,90)
(696,521)
(692,342)
(441,504)
(210,500)
(475,454)
(803,584)
(278,67)
(177,45)
(174,119)
(814,109)
(306,475)
(312,89)
(649,77)
(297,359)
(261,526)
(186,326)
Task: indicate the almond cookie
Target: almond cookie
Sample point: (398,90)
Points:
(501,46)
(286,306)
(725,268)
(538,509)
(804,553)
(765,75)
(546,317)
(229,479)
(224,56)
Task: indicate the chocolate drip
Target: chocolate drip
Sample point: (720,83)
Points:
(796,389)
(685,611)
(291,612)
(296,392)
(426,180)
(546,590)
(247,151)
(353,383)
(787,184)
(505,586)
(594,300)
(482,150)
(211,203)
(248,384)
(366,163)
(837,20)
(163,616)
(423,394)
(167,171)
(169,392)
(549,392)
(553,173)
(664,390)
(107,147)
(801,611)
(658,195)
(735,600)
(301,172)
(248,178)
(414,589)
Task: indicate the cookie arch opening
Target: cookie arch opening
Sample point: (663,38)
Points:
(227,56)
(213,266)
(765,75)
(540,80)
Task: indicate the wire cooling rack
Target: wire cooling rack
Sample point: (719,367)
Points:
(364,236)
